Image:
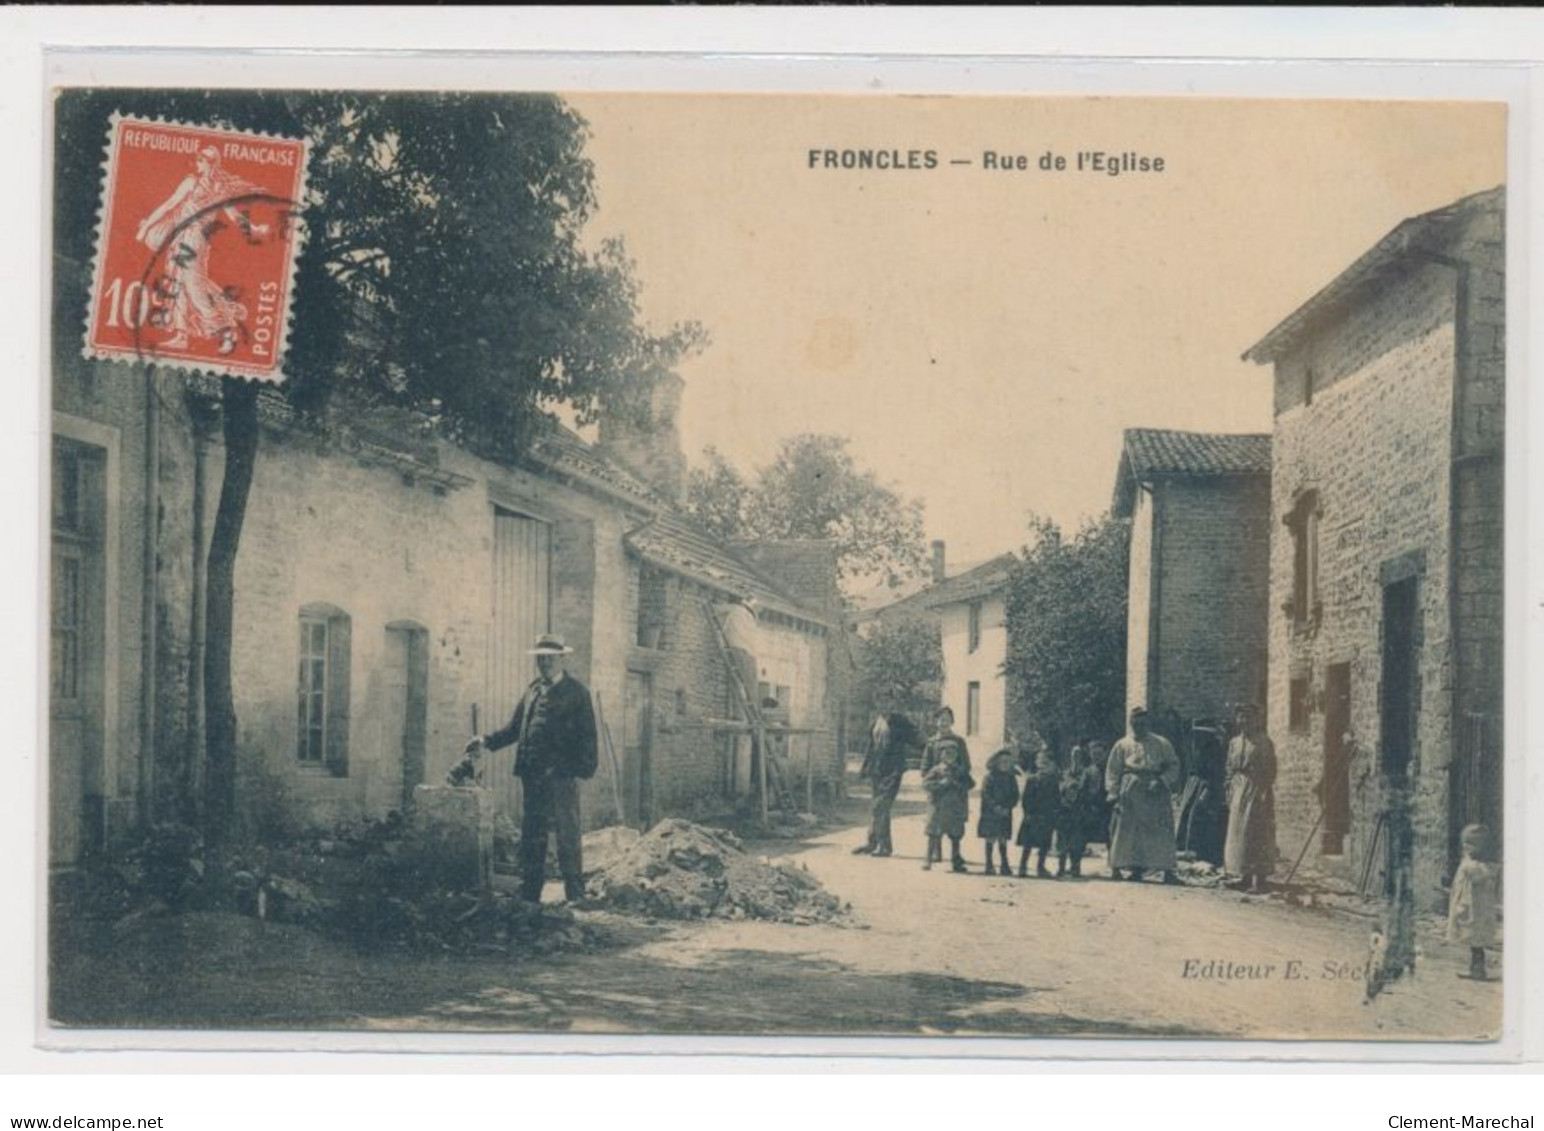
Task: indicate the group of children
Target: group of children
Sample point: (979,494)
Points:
(1061,807)
(1064,807)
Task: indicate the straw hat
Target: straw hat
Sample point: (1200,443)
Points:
(548,644)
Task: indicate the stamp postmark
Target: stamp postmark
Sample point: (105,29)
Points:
(196,248)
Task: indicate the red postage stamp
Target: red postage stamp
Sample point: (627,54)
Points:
(196,248)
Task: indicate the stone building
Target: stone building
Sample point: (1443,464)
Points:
(1386,552)
(1199,505)
(102,676)
(388,586)
(968,610)
(972,611)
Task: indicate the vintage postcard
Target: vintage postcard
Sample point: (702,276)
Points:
(776,565)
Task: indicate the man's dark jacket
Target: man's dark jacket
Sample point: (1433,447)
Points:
(890,757)
(560,738)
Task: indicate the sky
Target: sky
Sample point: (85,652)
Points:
(982,335)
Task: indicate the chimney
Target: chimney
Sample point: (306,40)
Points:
(938,561)
(648,442)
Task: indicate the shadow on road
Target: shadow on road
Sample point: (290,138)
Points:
(212,971)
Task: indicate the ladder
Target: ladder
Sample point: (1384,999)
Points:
(771,776)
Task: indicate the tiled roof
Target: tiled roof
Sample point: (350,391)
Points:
(565,451)
(1412,235)
(882,598)
(677,543)
(1151,453)
(1156,451)
(670,539)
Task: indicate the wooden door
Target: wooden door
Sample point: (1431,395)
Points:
(521,609)
(406,710)
(1399,700)
(1336,790)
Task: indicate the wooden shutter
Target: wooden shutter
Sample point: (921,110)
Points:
(338,655)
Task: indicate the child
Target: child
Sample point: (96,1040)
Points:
(1042,796)
(1475,900)
(948,786)
(1081,789)
(999,795)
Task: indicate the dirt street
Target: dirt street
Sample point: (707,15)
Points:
(936,953)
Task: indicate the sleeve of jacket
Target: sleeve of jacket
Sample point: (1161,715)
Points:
(586,747)
(502,738)
(1114,771)
(870,757)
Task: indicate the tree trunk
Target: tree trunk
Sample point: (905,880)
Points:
(239,410)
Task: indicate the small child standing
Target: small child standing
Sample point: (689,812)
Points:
(948,787)
(999,796)
(1475,901)
(1042,797)
(1081,789)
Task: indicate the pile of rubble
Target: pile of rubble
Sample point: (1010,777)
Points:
(679,870)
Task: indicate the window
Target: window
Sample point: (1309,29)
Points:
(1308,382)
(66,627)
(972,708)
(975,625)
(1303,522)
(69,476)
(323,689)
(775,700)
(1298,705)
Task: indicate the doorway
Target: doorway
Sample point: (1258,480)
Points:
(637,748)
(406,721)
(1398,716)
(521,608)
(77,652)
(1397,732)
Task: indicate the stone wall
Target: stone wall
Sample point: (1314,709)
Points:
(1374,441)
(1479,529)
(1139,600)
(1211,594)
(324,529)
(689,764)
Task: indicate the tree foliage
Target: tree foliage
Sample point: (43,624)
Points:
(444,267)
(718,495)
(1067,601)
(813,488)
(902,661)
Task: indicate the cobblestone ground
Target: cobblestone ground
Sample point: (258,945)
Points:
(937,953)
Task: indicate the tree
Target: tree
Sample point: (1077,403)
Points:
(902,661)
(444,272)
(717,495)
(813,488)
(1066,616)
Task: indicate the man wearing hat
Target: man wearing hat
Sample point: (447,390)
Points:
(553,730)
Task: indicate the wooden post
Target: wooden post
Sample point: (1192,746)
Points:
(762,753)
